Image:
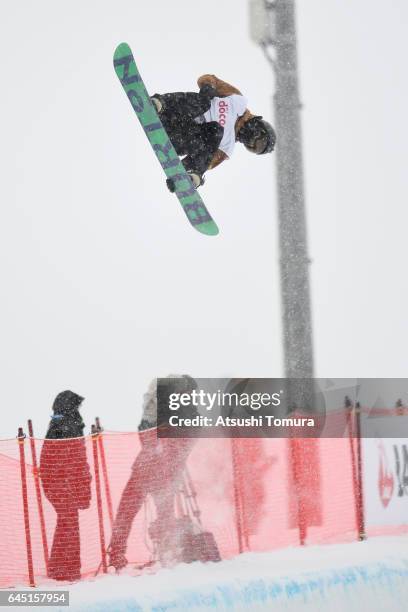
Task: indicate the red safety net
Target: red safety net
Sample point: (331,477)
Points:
(243,494)
(127,493)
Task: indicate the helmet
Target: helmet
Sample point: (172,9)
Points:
(67,402)
(257,135)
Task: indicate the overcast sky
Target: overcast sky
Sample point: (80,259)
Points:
(104,283)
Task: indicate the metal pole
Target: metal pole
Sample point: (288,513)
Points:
(38,494)
(273,28)
(294,260)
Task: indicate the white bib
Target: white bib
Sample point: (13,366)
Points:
(226,111)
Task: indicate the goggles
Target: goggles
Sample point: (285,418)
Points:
(255,137)
(258,143)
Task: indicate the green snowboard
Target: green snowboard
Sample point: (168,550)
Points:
(190,200)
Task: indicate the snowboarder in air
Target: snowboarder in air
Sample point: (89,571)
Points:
(204,126)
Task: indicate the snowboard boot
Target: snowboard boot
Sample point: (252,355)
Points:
(197,179)
(157,102)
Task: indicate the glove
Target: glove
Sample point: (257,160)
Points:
(197,179)
(208,91)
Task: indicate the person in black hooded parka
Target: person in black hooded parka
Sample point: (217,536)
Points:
(66,480)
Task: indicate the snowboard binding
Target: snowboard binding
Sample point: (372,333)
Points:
(196,178)
(171,185)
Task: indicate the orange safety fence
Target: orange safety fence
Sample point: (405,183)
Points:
(253,494)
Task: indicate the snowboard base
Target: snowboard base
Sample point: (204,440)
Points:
(189,198)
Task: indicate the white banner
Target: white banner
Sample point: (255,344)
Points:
(385,476)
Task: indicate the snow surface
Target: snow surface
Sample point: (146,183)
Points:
(371,575)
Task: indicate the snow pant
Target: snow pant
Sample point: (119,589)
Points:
(157,472)
(197,141)
(65,558)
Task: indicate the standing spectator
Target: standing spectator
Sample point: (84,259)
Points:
(66,480)
(157,470)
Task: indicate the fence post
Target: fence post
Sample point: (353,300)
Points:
(94,438)
(236,479)
(99,430)
(361,522)
(296,463)
(356,463)
(20,438)
(38,494)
